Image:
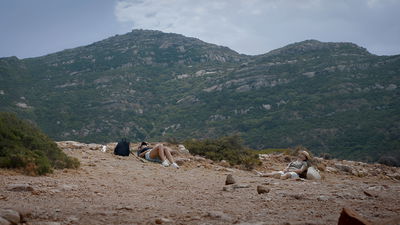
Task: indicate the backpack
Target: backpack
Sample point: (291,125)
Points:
(122,148)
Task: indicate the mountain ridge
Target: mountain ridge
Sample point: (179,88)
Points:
(330,97)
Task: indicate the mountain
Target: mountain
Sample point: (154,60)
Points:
(334,98)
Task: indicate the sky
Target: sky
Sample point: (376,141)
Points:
(31,28)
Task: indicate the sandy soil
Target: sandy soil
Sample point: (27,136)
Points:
(110,189)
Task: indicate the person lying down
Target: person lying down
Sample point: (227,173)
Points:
(159,153)
(294,170)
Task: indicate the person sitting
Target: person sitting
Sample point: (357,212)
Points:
(295,169)
(159,153)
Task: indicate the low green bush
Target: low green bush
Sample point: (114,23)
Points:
(25,147)
(229,148)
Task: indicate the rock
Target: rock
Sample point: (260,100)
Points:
(228,188)
(19,187)
(183,149)
(323,198)
(392,221)
(394,175)
(344,168)
(370,194)
(229,180)
(330,169)
(10,215)
(350,217)
(313,174)
(181,161)
(224,163)
(261,189)
(4,221)
(236,186)
(163,220)
(218,215)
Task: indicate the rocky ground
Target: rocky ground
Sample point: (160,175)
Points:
(110,189)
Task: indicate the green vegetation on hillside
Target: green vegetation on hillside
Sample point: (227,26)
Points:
(24,146)
(229,148)
(334,98)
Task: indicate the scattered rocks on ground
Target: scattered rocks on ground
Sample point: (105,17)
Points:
(350,217)
(261,189)
(344,168)
(229,179)
(19,187)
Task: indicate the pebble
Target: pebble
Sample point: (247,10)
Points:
(229,180)
(261,189)
(10,215)
(19,187)
(218,215)
(163,220)
(323,198)
(4,221)
(236,186)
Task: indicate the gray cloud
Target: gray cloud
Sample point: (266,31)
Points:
(258,26)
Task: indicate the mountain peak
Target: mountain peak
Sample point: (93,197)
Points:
(310,46)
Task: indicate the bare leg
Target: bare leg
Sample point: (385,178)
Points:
(158,151)
(272,174)
(286,176)
(167,152)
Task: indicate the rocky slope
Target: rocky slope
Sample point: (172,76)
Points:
(329,97)
(110,189)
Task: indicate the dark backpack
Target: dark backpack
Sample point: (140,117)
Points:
(122,148)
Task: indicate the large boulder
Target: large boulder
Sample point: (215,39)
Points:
(350,217)
(313,174)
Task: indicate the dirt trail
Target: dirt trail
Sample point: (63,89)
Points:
(109,189)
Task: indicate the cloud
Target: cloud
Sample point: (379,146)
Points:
(257,26)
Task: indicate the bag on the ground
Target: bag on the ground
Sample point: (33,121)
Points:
(122,148)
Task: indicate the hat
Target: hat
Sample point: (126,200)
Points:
(306,154)
(144,143)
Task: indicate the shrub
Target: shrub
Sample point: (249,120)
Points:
(389,161)
(229,148)
(24,146)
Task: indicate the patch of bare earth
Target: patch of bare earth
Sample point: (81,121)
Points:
(110,189)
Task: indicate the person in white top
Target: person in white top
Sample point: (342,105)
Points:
(294,169)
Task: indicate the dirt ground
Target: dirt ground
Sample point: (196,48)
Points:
(110,189)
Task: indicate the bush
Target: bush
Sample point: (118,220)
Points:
(389,161)
(24,146)
(228,148)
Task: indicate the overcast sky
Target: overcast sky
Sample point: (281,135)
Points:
(30,28)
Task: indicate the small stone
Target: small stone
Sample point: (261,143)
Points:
(163,220)
(218,215)
(261,189)
(344,168)
(236,186)
(10,215)
(323,198)
(350,217)
(19,187)
(229,180)
(227,188)
(4,221)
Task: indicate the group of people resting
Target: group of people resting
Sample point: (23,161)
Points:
(163,155)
